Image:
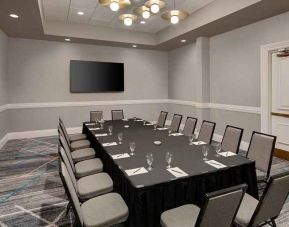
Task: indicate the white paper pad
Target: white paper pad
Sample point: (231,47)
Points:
(136,171)
(177,172)
(161,129)
(126,126)
(90,123)
(216,164)
(94,129)
(139,120)
(101,135)
(109,144)
(227,154)
(177,134)
(199,143)
(125,119)
(119,156)
(149,124)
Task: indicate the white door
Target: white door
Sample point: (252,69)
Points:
(280,101)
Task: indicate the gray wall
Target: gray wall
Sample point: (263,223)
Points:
(4,126)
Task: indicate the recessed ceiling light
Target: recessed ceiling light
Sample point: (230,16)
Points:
(67,40)
(134,46)
(14,15)
(80,13)
(142,22)
(183,40)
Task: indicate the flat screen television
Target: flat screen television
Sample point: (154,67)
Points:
(93,77)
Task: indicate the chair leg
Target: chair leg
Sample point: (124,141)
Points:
(67,208)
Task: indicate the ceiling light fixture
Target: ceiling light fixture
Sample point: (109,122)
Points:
(14,15)
(128,19)
(143,11)
(155,5)
(67,40)
(115,5)
(174,16)
(80,13)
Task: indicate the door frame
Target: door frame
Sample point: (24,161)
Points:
(266,81)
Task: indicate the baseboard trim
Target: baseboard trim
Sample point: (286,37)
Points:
(281,154)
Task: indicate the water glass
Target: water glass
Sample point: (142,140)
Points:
(150,160)
(205,150)
(110,129)
(169,159)
(218,149)
(155,126)
(134,118)
(132,147)
(120,137)
(101,124)
(191,139)
(170,131)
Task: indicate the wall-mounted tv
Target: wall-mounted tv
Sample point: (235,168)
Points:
(93,77)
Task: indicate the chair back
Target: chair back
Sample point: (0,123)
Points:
(176,122)
(64,131)
(162,118)
(190,126)
(117,115)
(69,169)
(72,195)
(272,200)
(96,115)
(232,139)
(64,145)
(221,207)
(261,150)
(207,131)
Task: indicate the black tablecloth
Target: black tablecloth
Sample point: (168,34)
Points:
(148,195)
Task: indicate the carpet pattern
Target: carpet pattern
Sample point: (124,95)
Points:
(31,192)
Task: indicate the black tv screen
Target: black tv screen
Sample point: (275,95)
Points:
(92,77)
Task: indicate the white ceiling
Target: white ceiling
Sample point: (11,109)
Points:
(95,14)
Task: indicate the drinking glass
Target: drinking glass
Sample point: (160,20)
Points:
(110,129)
(101,124)
(150,160)
(169,159)
(155,126)
(205,150)
(218,149)
(132,147)
(120,137)
(191,139)
(170,131)
(134,118)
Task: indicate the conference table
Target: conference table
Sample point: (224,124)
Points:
(149,193)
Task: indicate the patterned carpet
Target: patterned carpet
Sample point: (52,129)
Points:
(31,192)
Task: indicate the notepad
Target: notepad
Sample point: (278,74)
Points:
(177,172)
(199,143)
(126,126)
(94,129)
(109,144)
(216,164)
(139,120)
(177,134)
(147,124)
(227,154)
(119,156)
(136,171)
(125,119)
(90,123)
(161,129)
(101,135)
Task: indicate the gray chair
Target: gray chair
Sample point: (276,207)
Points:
(96,115)
(81,168)
(73,137)
(232,139)
(104,210)
(207,131)
(162,119)
(77,155)
(117,115)
(258,213)
(261,150)
(74,145)
(219,209)
(176,122)
(89,186)
(190,126)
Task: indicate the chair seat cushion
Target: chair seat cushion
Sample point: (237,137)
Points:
(184,216)
(76,145)
(260,175)
(94,185)
(83,154)
(88,167)
(246,210)
(76,137)
(105,210)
